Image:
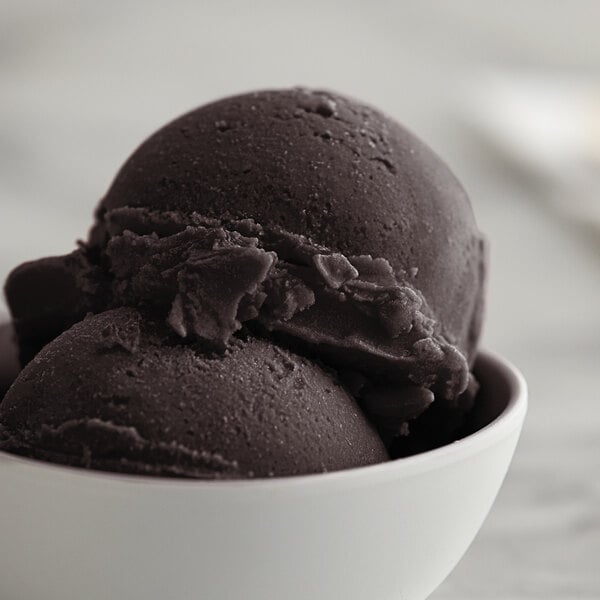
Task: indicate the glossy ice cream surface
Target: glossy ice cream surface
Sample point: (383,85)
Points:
(292,222)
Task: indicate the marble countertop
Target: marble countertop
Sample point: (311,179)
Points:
(82,84)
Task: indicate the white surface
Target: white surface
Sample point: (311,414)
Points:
(393,530)
(81,83)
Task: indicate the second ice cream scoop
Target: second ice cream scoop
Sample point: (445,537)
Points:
(117,392)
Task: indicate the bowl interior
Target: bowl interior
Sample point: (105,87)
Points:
(498,390)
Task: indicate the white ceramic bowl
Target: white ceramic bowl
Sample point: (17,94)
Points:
(384,532)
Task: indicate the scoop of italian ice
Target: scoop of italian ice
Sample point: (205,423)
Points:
(118,392)
(301,218)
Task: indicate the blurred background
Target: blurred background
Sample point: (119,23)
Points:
(508,93)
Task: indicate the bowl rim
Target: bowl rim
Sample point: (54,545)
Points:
(508,421)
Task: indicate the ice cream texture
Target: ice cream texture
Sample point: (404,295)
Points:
(290,231)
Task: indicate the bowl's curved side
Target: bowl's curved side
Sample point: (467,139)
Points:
(376,533)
